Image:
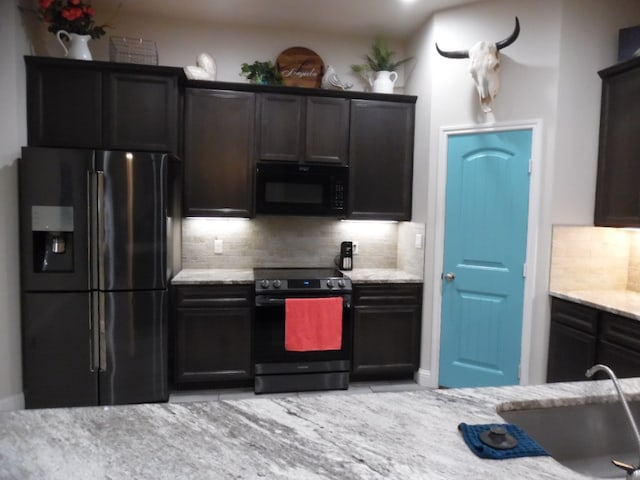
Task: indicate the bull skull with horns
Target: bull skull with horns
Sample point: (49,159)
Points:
(484,65)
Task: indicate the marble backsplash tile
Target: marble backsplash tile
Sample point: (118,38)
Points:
(276,241)
(594,258)
(410,257)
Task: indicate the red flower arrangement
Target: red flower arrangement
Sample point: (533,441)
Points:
(73,16)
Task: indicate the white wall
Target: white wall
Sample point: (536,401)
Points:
(548,74)
(589,42)
(179,42)
(12,136)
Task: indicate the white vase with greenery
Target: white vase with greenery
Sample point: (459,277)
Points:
(379,68)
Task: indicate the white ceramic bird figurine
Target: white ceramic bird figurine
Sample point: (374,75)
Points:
(204,69)
(330,80)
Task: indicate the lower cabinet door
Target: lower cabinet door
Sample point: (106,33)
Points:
(213,345)
(385,341)
(625,362)
(571,353)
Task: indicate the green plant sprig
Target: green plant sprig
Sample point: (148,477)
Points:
(261,72)
(380,59)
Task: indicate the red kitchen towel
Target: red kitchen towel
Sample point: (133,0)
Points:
(313,324)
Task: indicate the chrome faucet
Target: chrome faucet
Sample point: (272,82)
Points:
(633,472)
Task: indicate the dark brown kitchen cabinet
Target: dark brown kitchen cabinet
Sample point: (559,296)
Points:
(141,111)
(80,104)
(381,160)
(572,341)
(219,153)
(305,129)
(386,330)
(619,344)
(617,192)
(212,328)
(581,336)
(64,104)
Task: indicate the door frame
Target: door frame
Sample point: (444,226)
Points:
(532,233)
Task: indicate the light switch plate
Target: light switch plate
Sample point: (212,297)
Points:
(217,246)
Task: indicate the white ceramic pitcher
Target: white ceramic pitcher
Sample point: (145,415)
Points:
(78,45)
(383,82)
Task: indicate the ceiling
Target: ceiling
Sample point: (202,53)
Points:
(394,18)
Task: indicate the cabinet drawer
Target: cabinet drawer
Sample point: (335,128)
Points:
(580,317)
(214,296)
(620,331)
(388,294)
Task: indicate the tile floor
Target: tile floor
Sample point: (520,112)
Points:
(242,393)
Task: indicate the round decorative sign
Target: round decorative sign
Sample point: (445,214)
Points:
(300,67)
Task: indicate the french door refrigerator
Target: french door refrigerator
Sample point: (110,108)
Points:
(94,273)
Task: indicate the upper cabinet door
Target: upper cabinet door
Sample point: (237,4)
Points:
(104,105)
(617,192)
(381,160)
(327,130)
(219,153)
(64,106)
(301,129)
(281,127)
(142,112)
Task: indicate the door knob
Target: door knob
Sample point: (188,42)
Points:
(449,277)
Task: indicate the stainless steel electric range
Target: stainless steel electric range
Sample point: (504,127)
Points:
(278,369)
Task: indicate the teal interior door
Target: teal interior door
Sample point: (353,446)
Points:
(486,218)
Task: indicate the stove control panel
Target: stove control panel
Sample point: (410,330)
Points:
(328,284)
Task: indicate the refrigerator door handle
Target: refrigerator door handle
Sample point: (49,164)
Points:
(102,364)
(101,230)
(94,336)
(92,222)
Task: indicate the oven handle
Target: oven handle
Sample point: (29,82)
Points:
(268,301)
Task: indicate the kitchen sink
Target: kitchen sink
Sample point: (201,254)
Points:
(583,438)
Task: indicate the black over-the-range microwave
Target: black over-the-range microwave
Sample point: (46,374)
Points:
(301,189)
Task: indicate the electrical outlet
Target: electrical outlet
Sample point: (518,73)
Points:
(356,247)
(217,246)
(419,240)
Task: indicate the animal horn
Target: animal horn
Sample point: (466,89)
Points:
(511,38)
(453,54)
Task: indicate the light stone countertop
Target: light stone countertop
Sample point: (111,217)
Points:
(227,276)
(619,302)
(213,276)
(409,435)
(381,275)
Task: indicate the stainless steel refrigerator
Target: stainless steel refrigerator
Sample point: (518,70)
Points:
(94,273)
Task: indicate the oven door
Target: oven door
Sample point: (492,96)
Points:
(269,333)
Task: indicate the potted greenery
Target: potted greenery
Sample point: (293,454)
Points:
(264,73)
(380,68)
